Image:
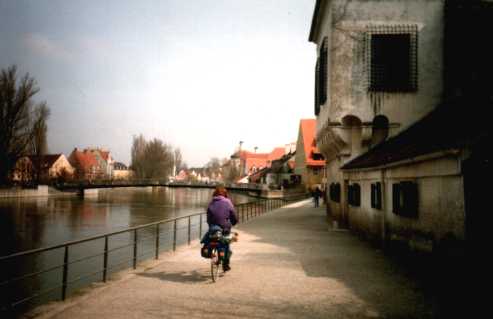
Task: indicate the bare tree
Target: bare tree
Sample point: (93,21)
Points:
(137,156)
(39,144)
(151,159)
(21,121)
(158,159)
(178,160)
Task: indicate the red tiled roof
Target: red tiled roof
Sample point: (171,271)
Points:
(260,160)
(86,160)
(276,153)
(308,128)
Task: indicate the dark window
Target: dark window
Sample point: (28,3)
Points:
(335,192)
(321,77)
(393,63)
(317,156)
(354,195)
(323,72)
(317,87)
(376,195)
(405,199)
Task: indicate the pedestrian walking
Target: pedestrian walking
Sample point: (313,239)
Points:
(316,196)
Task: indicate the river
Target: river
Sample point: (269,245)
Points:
(29,223)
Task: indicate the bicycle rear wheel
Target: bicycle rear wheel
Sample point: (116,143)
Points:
(214,264)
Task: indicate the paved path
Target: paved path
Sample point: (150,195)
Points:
(287,264)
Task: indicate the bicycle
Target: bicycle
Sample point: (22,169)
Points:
(216,251)
(217,257)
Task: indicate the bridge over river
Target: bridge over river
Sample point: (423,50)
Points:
(80,187)
(286,264)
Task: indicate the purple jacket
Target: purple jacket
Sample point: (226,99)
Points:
(221,212)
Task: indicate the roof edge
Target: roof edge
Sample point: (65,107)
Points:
(406,161)
(315,21)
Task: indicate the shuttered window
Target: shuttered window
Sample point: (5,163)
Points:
(321,69)
(323,72)
(405,199)
(354,195)
(335,192)
(317,87)
(376,195)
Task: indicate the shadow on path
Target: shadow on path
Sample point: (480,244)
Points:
(180,277)
(382,283)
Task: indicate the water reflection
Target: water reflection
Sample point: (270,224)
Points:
(40,222)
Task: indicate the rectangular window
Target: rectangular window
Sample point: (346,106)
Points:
(376,195)
(335,192)
(321,70)
(405,199)
(354,195)
(392,59)
(317,87)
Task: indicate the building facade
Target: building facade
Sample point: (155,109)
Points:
(309,162)
(394,116)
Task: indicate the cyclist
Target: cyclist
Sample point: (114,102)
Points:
(221,212)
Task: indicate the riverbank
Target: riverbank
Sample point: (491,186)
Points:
(39,191)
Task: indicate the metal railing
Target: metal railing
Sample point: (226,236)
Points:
(109,253)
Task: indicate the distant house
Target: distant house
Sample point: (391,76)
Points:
(44,167)
(121,171)
(92,163)
(86,165)
(309,162)
(249,163)
(52,166)
(280,174)
(182,175)
(105,161)
(23,171)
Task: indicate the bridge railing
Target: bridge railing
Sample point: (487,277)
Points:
(58,271)
(151,182)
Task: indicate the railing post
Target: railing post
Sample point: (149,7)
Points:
(174,236)
(135,249)
(189,230)
(200,227)
(65,273)
(157,241)
(105,261)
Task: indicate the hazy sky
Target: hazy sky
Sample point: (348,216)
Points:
(199,74)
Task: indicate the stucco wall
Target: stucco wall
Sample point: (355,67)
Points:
(440,198)
(345,27)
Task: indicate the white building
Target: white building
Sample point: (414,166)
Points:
(392,120)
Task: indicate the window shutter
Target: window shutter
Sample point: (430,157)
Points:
(373,195)
(378,195)
(357,195)
(396,195)
(317,87)
(323,72)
